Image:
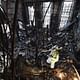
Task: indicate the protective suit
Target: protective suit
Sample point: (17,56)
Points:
(53,57)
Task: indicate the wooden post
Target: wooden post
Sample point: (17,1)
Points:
(13,38)
(38,26)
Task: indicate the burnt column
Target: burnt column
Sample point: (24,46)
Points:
(38,25)
(25,13)
(55,16)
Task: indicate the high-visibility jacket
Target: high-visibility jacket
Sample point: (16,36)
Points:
(53,58)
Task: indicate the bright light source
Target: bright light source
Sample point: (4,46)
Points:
(66,13)
(6,26)
(75,78)
(31,14)
(47,17)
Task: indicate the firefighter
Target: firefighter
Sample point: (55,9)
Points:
(54,56)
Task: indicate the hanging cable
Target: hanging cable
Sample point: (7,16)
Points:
(46,12)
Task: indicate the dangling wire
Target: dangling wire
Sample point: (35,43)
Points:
(46,12)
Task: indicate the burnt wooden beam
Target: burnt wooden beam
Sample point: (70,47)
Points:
(13,39)
(38,0)
(33,1)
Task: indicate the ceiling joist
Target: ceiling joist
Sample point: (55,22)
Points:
(38,0)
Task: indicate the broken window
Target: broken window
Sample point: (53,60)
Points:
(66,13)
(47,9)
(31,14)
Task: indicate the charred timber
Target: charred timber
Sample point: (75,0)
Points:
(38,0)
(41,0)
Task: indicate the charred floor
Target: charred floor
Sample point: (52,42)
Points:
(39,39)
